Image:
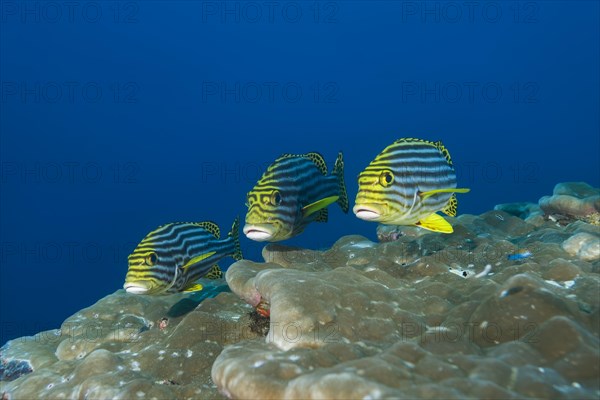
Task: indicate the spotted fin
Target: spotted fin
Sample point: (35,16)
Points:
(444,151)
(425,195)
(451,207)
(323,214)
(338,171)
(211,227)
(435,223)
(192,287)
(315,157)
(439,145)
(214,273)
(319,161)
(235,234)
(197,259)
(318,205)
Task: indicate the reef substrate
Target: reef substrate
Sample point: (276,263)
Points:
(508,306)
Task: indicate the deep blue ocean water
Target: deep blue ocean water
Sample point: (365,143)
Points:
(119,116)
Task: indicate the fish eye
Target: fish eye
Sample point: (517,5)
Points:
(386,178)
(275,198)
(151,259)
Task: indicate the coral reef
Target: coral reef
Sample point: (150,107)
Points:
(379,320)
(522,210)
(121,347)
(573,201)
(421,315)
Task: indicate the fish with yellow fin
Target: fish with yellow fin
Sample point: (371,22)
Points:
(294,191)
(407,184)
(173,257)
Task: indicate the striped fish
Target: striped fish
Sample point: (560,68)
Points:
(173,257)
(407,183)
(294,191)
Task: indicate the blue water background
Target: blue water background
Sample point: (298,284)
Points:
(117,117)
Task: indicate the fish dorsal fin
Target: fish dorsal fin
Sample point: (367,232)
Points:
(323,215)
(318,205)
(287,155)
(208,225)
(315,157)
(444,151)
(192,287)
(435,223)
(211,227)
(438,145)
(318,160)
(415,140)
(163,225)
(197,259)
(451,207)
(214,273)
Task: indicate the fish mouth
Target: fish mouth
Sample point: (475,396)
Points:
(259,232)
(367,212)
(136,288)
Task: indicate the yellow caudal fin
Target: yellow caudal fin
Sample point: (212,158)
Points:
(317,205)
(425,195)
(192,287)
(214,273)
(435,223)
(451,207)
(197,259)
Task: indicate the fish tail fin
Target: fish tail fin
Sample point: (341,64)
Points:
(338,171)
(235,234)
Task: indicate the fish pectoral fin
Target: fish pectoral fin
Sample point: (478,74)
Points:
(192,287)
(435,223)
(197,259)
(317,205)
(428,193)
(214,273)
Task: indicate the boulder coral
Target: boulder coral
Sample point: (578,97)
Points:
(573,201)
(421,315)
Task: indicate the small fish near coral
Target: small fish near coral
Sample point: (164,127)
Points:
(407,183)
(294,191)
(519,255)
(173,257)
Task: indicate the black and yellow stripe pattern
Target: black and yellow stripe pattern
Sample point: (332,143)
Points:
(407,183)
(294,191)
(171,258)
